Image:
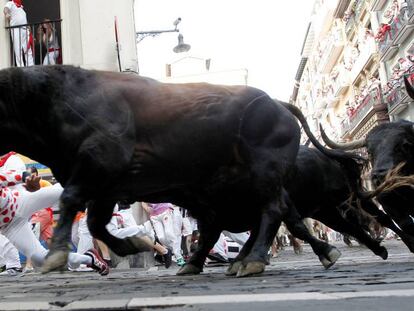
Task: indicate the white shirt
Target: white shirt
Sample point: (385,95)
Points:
(18,15)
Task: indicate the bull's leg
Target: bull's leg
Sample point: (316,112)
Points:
(255,260)
(269,142)
(247,247)
(386,221)
(327,254)
(334,220)
(99,215)
(71,202)
(208,237)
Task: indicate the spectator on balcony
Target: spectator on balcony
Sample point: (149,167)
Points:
(388,88)
(410,58)
(373,83)
(382,32)
(357,101)
(397,72)
(49,38)
(395,9)
(21,36)
(405,64)
(363,94)
(334,74)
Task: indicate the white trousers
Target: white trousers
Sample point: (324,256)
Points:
(9,256)
(239,238)
(19,230)
(20,39)
(164,228)
(85,237)
(137,230)
(51,58)
(178,230)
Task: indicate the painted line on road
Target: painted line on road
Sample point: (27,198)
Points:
(343,259)
(126,304)
(271,297)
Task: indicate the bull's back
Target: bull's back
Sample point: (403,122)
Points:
(189,127)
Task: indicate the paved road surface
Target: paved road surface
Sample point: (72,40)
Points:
(359,281)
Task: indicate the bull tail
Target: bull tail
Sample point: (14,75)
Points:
(352,163)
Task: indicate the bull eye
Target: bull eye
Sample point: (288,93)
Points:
(406,146)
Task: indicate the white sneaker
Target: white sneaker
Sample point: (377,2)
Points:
(12,272)
(28,270)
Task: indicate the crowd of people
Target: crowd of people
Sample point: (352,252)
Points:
(27,221)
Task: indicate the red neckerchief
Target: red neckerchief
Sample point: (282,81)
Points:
(6,157)
(18,3)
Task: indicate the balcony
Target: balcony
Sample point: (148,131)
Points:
(410,11)
(332,50)
(400,29)
(397,99)
(359,8)
(341,82)
(407,26)
(367,51)
(345,126)
(35,44)
(365,108)
(350,25)
(377,5)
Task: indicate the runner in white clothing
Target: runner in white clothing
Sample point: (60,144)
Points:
(15,14)
(123,225)
(17,205)
(9,257)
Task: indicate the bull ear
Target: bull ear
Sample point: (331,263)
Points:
(409,87)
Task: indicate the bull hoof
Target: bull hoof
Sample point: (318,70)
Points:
(189,269)
(252,268)
(383,253)
(331,258)
(55,261)
(233,268)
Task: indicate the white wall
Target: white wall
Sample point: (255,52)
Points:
(98,33)
(4,39)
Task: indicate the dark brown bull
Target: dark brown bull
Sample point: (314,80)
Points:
(388,145)
(109,137)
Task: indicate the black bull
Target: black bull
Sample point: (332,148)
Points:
(320,188)
(388,145)
(109,137)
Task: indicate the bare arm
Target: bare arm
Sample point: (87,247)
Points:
(6,12)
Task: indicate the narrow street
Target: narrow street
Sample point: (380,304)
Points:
(358,281)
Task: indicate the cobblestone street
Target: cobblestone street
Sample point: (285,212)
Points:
(293,282)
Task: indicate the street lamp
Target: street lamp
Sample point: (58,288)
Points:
(181,47)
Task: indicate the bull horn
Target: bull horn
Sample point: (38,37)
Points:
(360,143)
(409,87)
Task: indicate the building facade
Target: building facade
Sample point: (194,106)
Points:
(355,55)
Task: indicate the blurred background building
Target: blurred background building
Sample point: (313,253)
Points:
(354,57)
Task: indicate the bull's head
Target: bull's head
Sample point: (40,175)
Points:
(387,145)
